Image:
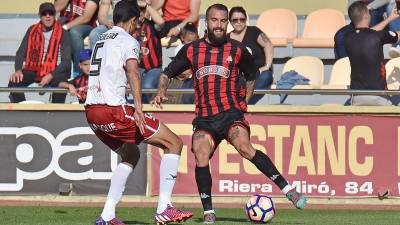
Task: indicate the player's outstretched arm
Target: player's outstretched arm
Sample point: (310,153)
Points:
(249,89)
(179,64)
(161,92)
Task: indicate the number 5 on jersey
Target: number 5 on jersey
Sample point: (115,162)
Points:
(95,64)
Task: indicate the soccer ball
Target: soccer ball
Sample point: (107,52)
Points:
(260,209)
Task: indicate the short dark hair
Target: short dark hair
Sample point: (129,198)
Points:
(125,10)
(356,11)
(238,9)
(217,6)
(189,28)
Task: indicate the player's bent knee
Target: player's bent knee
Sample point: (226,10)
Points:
(246,151)
(130,153)
(201,155)
(202,159)
(175,145)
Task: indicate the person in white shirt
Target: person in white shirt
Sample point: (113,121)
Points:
(114,64)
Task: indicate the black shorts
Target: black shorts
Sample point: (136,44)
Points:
(218,126)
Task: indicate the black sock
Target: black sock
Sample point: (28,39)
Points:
(267,167)
(204,183)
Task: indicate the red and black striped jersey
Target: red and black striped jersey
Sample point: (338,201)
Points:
(150,44)
(76,8)
(218,73)
(81,84)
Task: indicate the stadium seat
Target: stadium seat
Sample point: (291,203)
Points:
(340,75)
(393,74)
(308,66)
(280,25)
(320,28)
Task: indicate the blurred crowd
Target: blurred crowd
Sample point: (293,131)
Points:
(56,51)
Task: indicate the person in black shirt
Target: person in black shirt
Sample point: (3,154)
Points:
(364,47)
(257,43)
(391,21)
(219,64)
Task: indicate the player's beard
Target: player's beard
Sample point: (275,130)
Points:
(216,40)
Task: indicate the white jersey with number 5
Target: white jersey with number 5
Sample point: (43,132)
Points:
(108,80)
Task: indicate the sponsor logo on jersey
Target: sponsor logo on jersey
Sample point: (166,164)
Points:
(212,70)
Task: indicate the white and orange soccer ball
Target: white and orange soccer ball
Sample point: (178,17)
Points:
(260,209)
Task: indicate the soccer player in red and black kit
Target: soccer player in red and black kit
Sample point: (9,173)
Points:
(219,66)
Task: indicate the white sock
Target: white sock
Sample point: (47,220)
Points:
(117,187)
(286,189)
(209,211)
(168,172)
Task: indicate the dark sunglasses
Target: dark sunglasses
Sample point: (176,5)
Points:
(237,20)
(45,13)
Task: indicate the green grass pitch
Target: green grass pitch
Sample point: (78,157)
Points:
(85,216)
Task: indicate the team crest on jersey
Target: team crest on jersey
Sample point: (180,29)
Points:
(144,51)
(212,70)
(229,59)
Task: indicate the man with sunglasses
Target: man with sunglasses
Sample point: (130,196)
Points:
(44,56)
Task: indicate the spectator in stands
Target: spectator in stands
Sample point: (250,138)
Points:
(189,34)
(339,49)
(257,43)
(79,18)
(151,49)
(104,22)
(176,14)
(44,56)
(394,51)
(364,47)
(78,86)
(377,8)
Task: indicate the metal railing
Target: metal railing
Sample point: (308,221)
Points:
(190,91)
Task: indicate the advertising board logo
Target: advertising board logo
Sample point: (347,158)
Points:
(71,155)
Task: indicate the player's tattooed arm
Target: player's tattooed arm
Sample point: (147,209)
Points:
(163,85)
(249,89)
(161,92)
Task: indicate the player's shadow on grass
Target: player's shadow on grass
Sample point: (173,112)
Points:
(283,222)
(245,221)
(226,219)
(135,222)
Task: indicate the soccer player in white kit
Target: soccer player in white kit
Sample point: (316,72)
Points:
(114,64)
